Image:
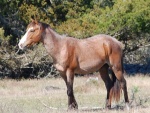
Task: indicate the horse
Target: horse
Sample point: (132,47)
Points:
(81,56)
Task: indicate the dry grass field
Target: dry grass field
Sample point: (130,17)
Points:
(49,96)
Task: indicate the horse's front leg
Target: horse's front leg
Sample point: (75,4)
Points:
(69,79)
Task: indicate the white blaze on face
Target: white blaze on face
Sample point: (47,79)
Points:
(24,38)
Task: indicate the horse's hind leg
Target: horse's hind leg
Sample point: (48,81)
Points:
(117,67)
(119,76)
(108,83)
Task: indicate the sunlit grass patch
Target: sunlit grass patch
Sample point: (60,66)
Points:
(49,95)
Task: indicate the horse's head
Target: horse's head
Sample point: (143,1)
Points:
(33,35)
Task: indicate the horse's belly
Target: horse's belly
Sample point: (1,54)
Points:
(88,67)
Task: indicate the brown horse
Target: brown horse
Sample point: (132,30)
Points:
(82,56)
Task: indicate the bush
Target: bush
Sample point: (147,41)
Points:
(4,39)
(127,20)
(124,16)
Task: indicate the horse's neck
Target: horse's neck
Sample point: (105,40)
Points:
(51,42)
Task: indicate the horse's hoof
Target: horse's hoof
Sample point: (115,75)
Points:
(73,107)
(127,106)
(108,107)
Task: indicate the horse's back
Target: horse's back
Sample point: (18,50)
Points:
(97,43)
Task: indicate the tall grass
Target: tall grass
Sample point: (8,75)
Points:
(49,95)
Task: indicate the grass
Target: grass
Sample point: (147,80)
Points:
(49,95)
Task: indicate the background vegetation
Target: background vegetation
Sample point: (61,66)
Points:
(127,20)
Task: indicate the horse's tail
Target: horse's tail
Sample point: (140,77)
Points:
(116,85)
(116,89)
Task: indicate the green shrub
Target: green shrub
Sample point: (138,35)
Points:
(132,16)
(3,38)
(26,11)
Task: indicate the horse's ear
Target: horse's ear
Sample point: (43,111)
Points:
(34,20)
